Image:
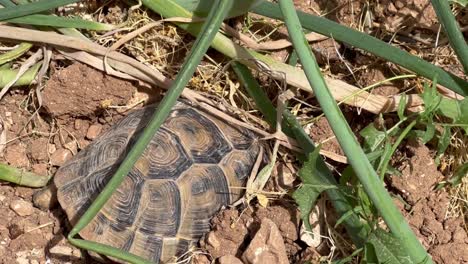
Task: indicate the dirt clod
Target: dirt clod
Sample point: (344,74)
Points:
(80,91)
(229,259)
(37,151)
(61,250)
(21,207)
(94,131)
(60,156)
(267,245)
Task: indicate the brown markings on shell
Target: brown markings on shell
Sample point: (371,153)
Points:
(194,165)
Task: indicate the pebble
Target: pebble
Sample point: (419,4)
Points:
(72,146)
(94,131)
(267,246)
(212,240)
(51,148)
(229,259)
(61,250)
(59,157)
(312,239)
(22,257)
(286,176)
(21,207)
(46,198)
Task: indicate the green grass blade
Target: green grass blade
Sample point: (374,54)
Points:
(357,229)
(6,3)
(6,75)
(455,36)
(15,53)
(60,22)
(361,165)
(210,28)
(32,8)
(370,44)
(22,177)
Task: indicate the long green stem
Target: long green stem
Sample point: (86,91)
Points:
(22,177)
(357,230)
(210,28)
(15,53)
(368,43)
(32,8)
(388,155)
(455,36)
(361,165)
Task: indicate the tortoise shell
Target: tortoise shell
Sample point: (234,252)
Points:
(192,167)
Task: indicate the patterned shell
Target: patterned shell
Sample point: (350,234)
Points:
(194,165)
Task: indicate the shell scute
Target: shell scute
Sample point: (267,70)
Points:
(194,165)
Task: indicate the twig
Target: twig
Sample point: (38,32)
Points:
(268,45)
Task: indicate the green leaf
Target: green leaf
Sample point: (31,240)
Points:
(449,108)
(60,22)
(313,186)
(463,117)
(459,174)
(370,255)
(431,100)
(305,197)
(429,133)
(444,141)
(373,138)
(402,107)
(32,8)
(386,249)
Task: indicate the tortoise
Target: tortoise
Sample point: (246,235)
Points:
(193,166)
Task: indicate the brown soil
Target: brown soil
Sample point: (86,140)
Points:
(427,210)
(75,97)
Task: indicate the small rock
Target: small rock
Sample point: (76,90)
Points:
(78,124)
(286,176)
(22,260)
(229,259)
(72,146)
(51,148)
(46,198)
(212,240)
(312,239)
(38,149)
(61,250)
(77,253)
(21,207)
(59,157)
(200,259)
(267,246)
(83,143)
(94,131)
